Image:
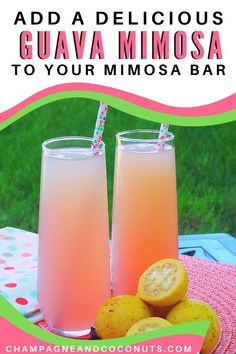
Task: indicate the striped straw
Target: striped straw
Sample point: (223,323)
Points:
(163,134)
(99,127)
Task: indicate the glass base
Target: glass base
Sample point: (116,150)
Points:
(72,334)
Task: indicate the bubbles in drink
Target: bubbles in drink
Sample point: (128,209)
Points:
(74,153)
(146,148)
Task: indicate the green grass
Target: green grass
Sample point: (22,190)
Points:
(205,159)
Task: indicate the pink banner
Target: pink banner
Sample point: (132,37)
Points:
(224,105)
(14,340)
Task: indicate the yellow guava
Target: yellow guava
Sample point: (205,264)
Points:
(118,314)
(164,283)
(147,325)
(192,310)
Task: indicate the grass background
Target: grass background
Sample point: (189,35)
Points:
(205,158)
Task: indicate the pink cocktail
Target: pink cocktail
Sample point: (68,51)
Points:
(145,224)
(73,278)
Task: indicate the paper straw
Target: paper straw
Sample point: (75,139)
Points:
(99,127)
(163,131)
(163,134)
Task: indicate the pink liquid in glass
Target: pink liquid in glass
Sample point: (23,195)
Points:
(145,225)
(73,278)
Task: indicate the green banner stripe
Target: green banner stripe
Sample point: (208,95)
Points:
(8,312)
(127,107)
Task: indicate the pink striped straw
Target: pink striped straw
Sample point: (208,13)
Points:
(99,127)
(163,134)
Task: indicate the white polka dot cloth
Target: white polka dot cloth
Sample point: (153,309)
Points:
(18,269)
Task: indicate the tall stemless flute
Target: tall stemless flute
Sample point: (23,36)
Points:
(145,226)
(73,275)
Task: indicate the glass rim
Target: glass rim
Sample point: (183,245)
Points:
(121,136)
(46,148)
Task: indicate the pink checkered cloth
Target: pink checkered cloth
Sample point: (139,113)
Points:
(215,283)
